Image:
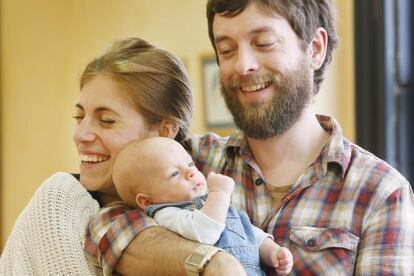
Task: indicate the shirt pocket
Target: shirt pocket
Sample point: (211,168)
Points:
(323,250)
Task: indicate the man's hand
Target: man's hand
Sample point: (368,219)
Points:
(223,264)
(157,251)
(219,183)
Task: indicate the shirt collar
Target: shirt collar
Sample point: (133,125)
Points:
(236,145)
(337,152)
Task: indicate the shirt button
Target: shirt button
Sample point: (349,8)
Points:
(259,182)
(311,242)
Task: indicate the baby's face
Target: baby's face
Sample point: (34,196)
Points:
(177,179)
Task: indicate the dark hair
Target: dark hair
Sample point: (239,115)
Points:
(155,81)
(304,16)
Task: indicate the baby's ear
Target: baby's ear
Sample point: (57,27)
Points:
(143,200)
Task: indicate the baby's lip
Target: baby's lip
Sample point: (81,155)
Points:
(198,185)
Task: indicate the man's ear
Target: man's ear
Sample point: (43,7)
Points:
(319,44)
(143,200)
(168,128)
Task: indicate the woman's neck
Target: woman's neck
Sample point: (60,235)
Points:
(105,198)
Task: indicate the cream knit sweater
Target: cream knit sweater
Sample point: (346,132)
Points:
(47,238)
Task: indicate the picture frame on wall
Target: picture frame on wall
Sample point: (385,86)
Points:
(215,110)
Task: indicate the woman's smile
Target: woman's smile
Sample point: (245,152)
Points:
(93,158)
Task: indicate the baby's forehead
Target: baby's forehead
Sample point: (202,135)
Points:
(157,150)
(168,145)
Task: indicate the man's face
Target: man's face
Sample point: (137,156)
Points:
(266,75)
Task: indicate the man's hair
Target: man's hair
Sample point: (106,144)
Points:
(304,16)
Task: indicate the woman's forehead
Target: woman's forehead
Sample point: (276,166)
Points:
(104,93)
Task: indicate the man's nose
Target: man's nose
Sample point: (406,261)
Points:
(246,62)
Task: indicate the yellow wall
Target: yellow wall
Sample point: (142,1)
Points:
(45,44)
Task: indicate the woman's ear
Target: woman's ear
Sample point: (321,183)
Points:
(143,200)
(168,128)
(319,44)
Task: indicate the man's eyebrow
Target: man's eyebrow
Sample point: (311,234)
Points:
(259,30)
(78,105)
(264,29)
(220,38)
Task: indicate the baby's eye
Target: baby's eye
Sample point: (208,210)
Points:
(191,164)
(175,173)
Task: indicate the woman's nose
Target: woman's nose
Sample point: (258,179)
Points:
(84,133)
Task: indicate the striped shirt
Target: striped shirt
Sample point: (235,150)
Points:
(349,212)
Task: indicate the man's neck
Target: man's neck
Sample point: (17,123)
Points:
(284,158)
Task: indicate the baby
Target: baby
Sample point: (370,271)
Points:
(158,176)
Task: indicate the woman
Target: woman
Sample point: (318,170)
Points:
(135,90)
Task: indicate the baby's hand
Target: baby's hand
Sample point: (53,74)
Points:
(219,183)
(282,260)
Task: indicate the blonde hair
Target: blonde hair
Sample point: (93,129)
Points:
(155,81)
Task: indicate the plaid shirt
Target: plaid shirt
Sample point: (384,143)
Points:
(109,233)
(349,213)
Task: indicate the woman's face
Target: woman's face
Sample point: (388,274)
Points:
(105,122)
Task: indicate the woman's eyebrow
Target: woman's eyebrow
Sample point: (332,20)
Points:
(106,109)
(78,105)
(99,109)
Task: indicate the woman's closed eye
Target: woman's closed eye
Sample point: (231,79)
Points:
(78,118)
(107,121)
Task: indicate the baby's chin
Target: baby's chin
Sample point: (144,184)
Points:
(201,191)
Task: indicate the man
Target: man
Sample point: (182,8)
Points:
(338,208)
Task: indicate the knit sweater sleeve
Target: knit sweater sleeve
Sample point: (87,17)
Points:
(48,236)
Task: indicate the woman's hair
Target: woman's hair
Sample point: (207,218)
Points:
(154,80)
(304,16)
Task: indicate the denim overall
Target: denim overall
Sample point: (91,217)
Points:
(237,237)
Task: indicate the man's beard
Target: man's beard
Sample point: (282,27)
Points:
(265,120)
